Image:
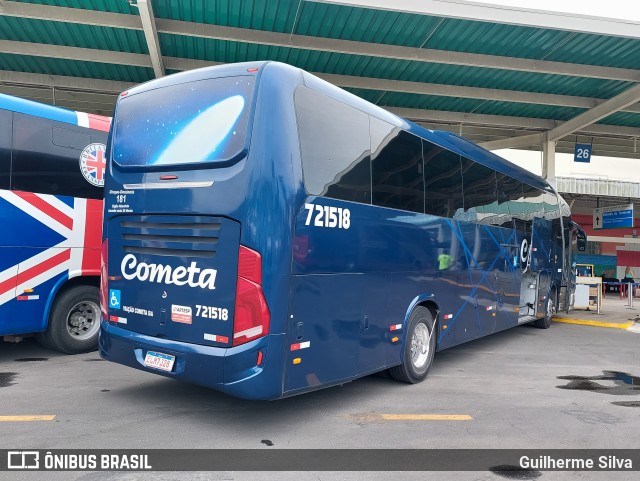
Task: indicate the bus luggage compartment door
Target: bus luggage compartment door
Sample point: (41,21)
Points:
(324,348)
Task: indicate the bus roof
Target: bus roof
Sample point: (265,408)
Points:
(28,107)
(443,139)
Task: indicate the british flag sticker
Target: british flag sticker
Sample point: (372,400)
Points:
(92,163)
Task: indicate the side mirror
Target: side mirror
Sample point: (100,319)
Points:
(581,243)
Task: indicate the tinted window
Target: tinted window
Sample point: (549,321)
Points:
(41,166)
(533,200)
(509,189)
(334,144)
(65,137)
(509,195)
(188,123)
(396,168)
(551,206)
(479,191)
(5,147)
(443,181)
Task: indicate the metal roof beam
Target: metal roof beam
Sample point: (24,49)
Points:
(124,58)
(70,15)
(514,142)
(151,35)
(478,93)
(504,121)
(173,63)
(510,15)
(63,82)
(349,47)
(628,97)
(74,53)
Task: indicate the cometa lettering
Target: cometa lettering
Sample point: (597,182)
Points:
(192,276)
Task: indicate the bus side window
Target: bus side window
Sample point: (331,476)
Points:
(46,158)
(396,167)
(334,144)
(443,181)
(479,190)
(5,147)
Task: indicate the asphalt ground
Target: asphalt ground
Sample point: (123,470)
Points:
(508,390)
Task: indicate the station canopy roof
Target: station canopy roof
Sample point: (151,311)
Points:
(490,73)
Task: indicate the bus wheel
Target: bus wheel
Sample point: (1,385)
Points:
(74,321)
(419,348)
(549,311)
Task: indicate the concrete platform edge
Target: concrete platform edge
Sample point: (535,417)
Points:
(585,322)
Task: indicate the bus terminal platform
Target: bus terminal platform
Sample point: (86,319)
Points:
(615,312)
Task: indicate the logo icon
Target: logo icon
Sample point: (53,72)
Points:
(525,255)
(23,460)
(164,294)
(114,298)
(93,163)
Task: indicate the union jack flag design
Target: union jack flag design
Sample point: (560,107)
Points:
(93,163)
(77,254)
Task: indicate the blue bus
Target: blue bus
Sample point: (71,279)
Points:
(267,234)
(52,164)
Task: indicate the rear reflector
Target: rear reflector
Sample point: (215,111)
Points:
(104,280)
(251,319)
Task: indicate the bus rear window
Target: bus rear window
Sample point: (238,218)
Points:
(190,123)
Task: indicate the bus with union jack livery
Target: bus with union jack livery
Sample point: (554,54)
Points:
(267,234)
(52,164)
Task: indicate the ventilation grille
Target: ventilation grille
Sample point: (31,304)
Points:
(174,237)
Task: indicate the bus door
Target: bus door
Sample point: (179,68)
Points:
(529,278)
(542,258)
(507,278)
(324,328)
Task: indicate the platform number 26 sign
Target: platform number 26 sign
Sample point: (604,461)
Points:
(582,153)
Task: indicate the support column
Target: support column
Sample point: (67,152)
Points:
(549,159)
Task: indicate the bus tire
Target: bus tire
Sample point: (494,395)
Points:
(550,307)
(419,348)
(74,321)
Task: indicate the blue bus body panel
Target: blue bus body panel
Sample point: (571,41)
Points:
(32,234)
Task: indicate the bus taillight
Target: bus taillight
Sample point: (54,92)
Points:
(104,280)
(252,317)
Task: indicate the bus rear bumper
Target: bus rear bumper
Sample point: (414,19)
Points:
(231,370)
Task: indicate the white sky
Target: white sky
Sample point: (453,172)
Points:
(620,9)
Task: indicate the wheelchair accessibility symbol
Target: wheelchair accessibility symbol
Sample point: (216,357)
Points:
(114,299)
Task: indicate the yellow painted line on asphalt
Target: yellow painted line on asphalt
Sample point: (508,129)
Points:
(45,417)
(584,322)
(426,417)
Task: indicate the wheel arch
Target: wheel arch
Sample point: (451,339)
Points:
(64,284)
(424,300)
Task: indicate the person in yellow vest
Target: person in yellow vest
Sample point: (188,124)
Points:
(444,262)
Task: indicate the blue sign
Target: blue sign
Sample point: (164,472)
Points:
(613,217)
(114,299)
(582,153)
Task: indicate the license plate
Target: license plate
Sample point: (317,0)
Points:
(158,360)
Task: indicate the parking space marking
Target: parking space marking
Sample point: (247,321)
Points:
(44,417)
(378,417)
(426,417)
